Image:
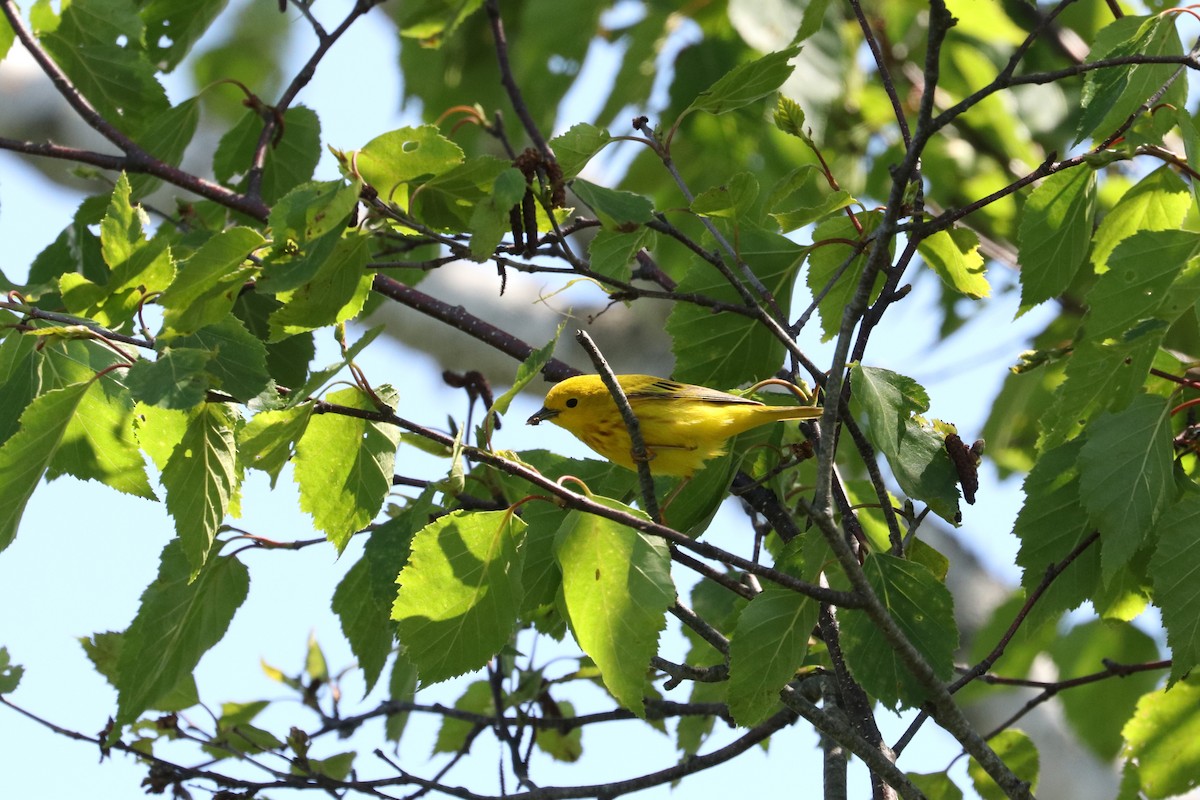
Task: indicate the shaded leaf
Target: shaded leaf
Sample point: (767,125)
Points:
(1177,592)
(178,621)
(1050,525)
(1097,711)
(1017,751)
(923,609)
(459,592)
(1125,478)
(201,479)
(29,451)
(1056,227)
(1164,739)
(915,450)
(344,466)
(768,646)
(617,210)
(746,83)
(576,146)
(617,587)
(731,349)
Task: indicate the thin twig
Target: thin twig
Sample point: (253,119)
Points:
(641,456)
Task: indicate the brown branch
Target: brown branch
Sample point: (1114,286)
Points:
(510,84)
(460,319)
(1052,573)
(273,121)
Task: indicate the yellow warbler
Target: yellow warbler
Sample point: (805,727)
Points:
(682,425)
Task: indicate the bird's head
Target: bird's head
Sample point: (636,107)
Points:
(572,403)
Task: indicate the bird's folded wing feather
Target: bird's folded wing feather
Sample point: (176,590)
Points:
(670,390)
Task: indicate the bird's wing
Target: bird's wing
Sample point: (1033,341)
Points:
(671,390)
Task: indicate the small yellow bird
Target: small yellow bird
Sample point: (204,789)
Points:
(682,425)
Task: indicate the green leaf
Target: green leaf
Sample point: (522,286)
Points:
(177,379)
(98,45)
(448,200)
(616,587)
(923,609)
(1101,375)
(459,592)
(335,768)
(768,646)
(810,23)
(178,621)
(561,745)
(10,673)
(363,599)
(452,736)
(789,118)
(1050,525)
(287,361)
(335,294)
(432,21)
(344,466)
(402,688)
(490,219)
(1097,711)
(289,162)
(542,577)
(833,275)
(268,441)
(732,200)
(166,136)
(935,785)
(617,211)
(730,349)
(1149,275)
(122,231)
(235,733)
(746,83)
(396,158)
(237,362)
(915,450)
(1164,739)
(575,147)
(797,216)
(20,378)
(1176,590)
(611,253)
(209,282)
(954,256)
(309,212)
(173,26)
(1110,96)
(137,267)
(1017,751)
(104,651)
(1158,202)
(1125,478)
(159,431)
(201,479)
(99,443)
(1056,227)
(29,451)
(7,37)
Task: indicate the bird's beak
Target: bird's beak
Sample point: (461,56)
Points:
(541,416)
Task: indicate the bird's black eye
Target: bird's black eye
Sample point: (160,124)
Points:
(572,402)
